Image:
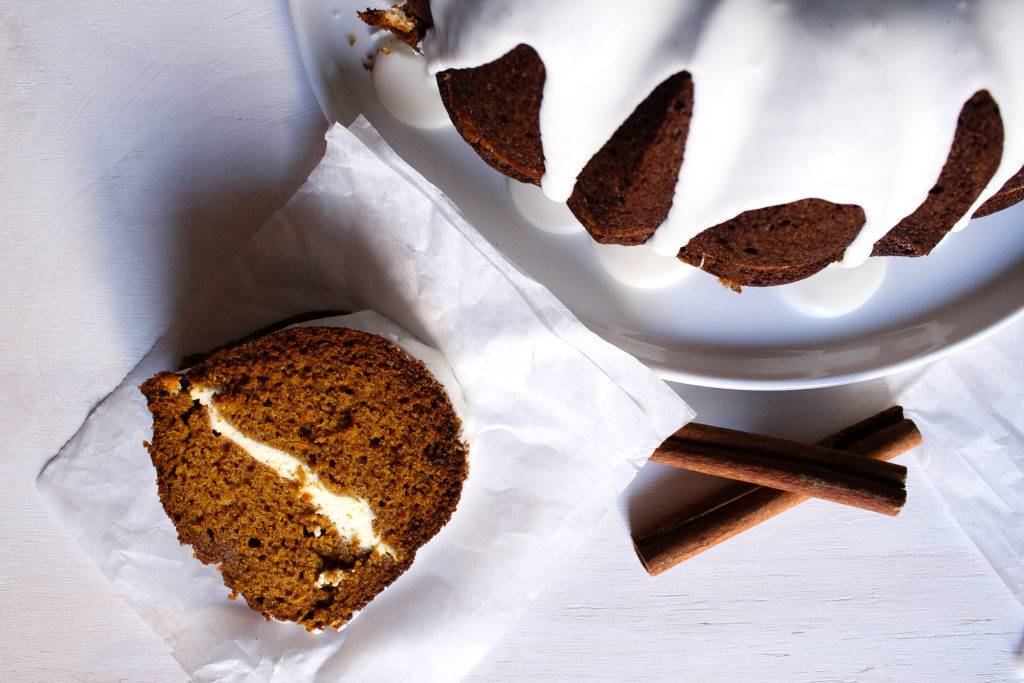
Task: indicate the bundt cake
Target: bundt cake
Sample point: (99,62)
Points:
(309,465)
(812,132)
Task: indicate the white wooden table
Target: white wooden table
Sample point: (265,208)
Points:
(142,144)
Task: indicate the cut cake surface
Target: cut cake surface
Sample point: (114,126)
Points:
(331,409)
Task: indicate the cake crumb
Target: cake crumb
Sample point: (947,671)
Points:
(729,284)
(405,26)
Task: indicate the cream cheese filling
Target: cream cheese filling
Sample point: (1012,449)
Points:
(351,515)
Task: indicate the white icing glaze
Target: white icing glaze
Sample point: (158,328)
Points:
(542,212)
(852,102)
(405,89)
(351,515)
(639,266)
(836,291)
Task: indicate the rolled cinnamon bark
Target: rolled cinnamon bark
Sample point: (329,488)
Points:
(742,506)
(788,465)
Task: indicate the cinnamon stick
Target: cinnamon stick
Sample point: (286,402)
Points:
(742,506)
(789,465)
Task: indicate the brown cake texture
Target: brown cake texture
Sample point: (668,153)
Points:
(625,191)
(358,415)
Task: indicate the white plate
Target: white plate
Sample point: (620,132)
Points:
(696,331)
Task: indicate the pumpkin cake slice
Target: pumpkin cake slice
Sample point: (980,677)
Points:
(309,465)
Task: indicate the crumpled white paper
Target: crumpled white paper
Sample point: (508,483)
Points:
(562,422)
(970,407)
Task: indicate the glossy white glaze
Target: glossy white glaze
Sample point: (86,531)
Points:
(835,290)
(405,89)
(639,266)
(852,102)
(541,211)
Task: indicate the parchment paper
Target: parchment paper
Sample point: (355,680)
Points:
(970,407)
(562,421)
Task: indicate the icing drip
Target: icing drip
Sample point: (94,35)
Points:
(836,291)
(851,102)
(535,207)
(640,267)
(405,89)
